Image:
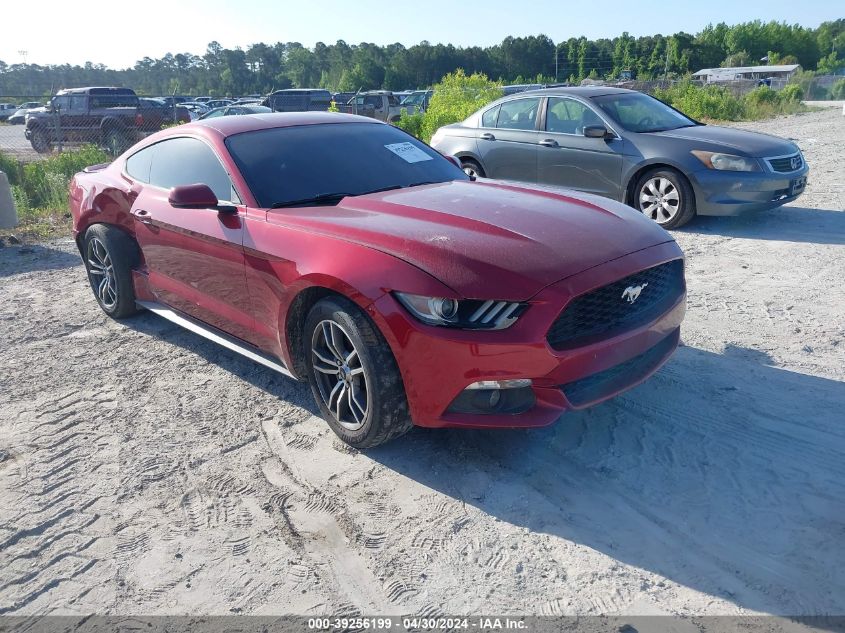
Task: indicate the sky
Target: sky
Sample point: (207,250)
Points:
(117,33)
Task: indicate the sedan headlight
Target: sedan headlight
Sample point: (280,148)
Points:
(467,314)
(726,162)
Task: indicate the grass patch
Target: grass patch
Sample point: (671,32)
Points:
(40,189)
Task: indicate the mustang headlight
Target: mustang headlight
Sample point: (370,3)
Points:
(467,314)
(726,162)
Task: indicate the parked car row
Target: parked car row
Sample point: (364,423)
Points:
(16,114)
(626,146)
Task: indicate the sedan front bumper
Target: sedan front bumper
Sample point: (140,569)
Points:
(732,192)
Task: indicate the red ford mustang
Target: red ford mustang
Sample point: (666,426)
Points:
(342,251)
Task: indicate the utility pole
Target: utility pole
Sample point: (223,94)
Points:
(556,54)
(28,78)
(666,69)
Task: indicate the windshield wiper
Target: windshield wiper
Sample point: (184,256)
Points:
(328,197)
(320,197)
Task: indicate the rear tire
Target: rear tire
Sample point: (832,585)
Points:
(109,255)
(472,168)
(115,141)
(353,375)
(665,196)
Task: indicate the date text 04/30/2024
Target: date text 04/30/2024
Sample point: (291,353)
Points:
(418,623)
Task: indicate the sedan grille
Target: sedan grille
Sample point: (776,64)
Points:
(787,164)
(617,307)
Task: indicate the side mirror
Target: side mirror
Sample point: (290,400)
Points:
(597,131)
(193,197)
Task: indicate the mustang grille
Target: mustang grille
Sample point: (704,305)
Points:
(609,310)
(787,163)
(599,385)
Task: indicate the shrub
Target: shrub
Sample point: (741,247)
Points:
(12,169)
(837,91)
(40,188)
(455,98)
(411,123)
(720,104)
(702,102)
(792,92)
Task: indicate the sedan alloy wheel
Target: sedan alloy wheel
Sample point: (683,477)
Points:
(660,200)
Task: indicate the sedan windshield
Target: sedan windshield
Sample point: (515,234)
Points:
(638,112)
(289,166)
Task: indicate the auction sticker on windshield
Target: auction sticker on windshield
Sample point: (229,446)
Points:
(408,152)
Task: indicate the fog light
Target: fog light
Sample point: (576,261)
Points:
(495,397)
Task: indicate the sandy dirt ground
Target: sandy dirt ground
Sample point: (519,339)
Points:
(146,471)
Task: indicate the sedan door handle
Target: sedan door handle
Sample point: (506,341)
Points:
(487,137)
(549,142)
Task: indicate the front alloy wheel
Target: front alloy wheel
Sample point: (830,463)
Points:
(353,374)
(659,200)
(665,196)
(341,378)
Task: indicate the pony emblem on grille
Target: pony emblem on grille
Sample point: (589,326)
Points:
(632,293)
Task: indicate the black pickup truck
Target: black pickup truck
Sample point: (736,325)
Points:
(108,117)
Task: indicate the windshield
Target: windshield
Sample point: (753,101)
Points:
(414,99)
(638,112)
(287,164)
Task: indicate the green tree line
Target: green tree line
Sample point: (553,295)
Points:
(261,67)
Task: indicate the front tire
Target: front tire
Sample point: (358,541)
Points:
(109,255)
(353,375)
(39,140)
(665,196)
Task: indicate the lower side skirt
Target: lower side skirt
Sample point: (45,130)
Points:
(213,334)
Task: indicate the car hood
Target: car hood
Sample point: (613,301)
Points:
(738,141)
(489,239)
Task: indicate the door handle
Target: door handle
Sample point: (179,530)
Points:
(549,142)
(487,137)
(143,216)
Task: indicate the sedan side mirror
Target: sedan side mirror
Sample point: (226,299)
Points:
(193,197)
(597,131)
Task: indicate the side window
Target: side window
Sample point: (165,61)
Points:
(567,116)
(488,119)
(61,103)
(79,103)
(374,101)
(564,115)
(138,165)
(519,114)
(188,161)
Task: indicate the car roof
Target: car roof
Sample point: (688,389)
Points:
(578,91)
(229,126)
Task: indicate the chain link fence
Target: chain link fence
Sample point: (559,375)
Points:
(111,119)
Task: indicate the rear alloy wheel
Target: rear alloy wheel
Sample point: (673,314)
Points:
(353,375)
(109,256)
(666,197)
(471,168)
